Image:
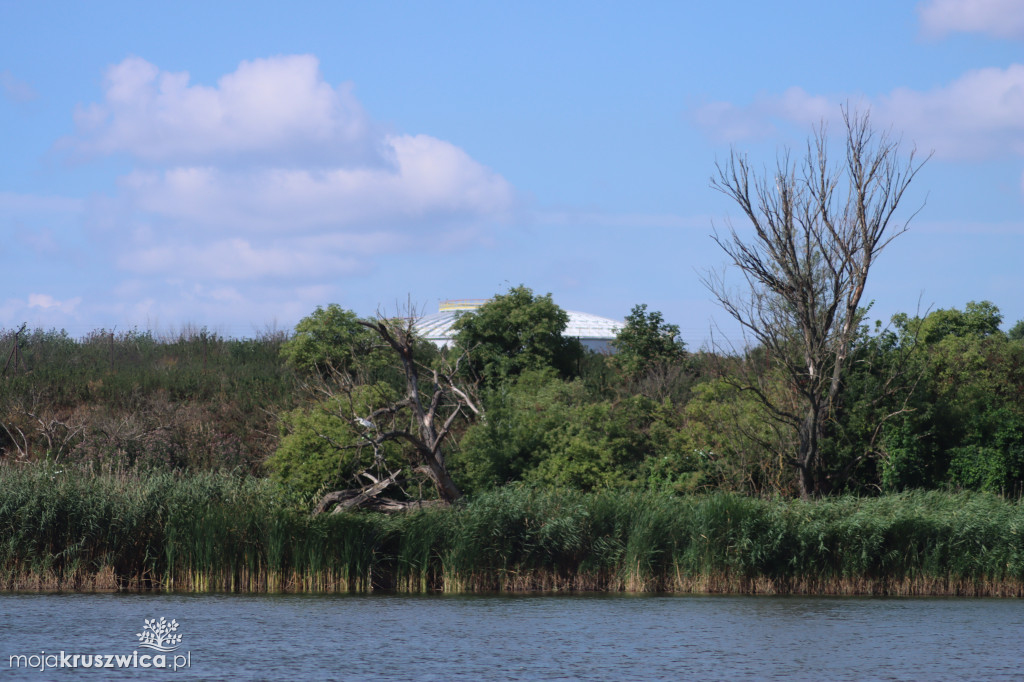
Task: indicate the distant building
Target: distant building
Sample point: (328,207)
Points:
(594,332)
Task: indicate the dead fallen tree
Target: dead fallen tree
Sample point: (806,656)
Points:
(420,421)
(371,497)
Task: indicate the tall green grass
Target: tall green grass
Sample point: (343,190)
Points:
(115,368)
(75,528)
(70,528)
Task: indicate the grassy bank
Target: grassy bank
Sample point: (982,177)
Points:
(191,400)
(71,529)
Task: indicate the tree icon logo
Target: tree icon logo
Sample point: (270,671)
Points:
(159,635)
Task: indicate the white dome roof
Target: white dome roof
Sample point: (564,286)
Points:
(594,331)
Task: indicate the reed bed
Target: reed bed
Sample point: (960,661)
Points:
(77,529)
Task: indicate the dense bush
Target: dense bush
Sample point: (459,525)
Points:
(542,429)
(320,450)
(934,402)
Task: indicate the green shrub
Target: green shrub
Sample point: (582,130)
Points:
(322,449)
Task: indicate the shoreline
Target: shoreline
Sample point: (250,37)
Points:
(106,581)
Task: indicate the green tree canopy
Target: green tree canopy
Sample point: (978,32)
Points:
(976,319)
(645,342)
(331,339)
(515,332)
(965,425)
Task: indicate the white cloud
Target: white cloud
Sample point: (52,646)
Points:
(273,147)
(15,88)
(979,115)
(362,243)
(999,18)
(727,122)
(255,192)
(48,302)
(430,178)
(42,241)
(237,259)
(236,309)
(277,109)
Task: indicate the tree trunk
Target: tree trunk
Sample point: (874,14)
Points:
(808,454)
(446,488)
(371,497)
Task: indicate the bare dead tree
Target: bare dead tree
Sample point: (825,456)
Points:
(818,228)
(421,421)
(28,422)
(22,448)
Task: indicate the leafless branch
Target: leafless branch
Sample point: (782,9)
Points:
(817,229)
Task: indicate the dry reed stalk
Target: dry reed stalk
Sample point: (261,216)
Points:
(538,580)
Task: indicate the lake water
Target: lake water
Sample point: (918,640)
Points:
(524,637)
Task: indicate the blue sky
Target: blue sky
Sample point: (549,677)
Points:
(236,164)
